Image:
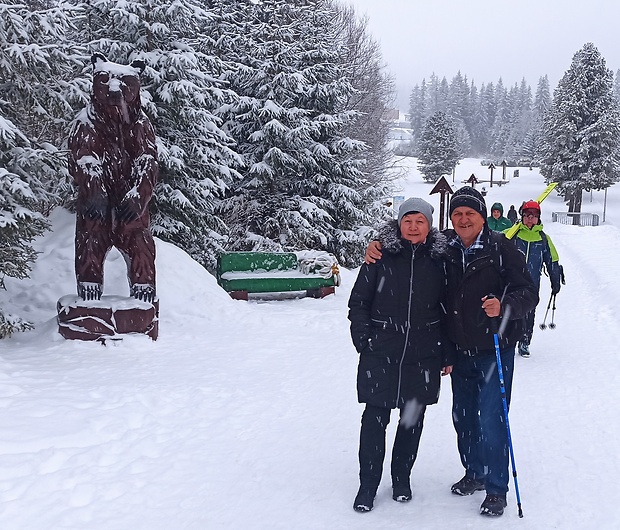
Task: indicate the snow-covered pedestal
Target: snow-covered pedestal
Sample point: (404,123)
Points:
(108,318)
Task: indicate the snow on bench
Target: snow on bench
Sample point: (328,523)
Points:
(313,272)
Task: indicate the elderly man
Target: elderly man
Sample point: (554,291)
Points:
(481,262)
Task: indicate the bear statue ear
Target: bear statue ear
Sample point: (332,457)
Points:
(138,64)
(96,57)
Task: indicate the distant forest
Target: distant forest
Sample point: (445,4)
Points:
(491,121)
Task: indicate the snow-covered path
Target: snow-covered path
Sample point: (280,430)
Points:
(244,415)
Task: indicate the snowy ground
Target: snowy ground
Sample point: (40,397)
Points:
(244,415)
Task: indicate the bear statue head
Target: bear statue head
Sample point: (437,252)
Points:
(116,89)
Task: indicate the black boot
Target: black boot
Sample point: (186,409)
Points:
(493,505)
(401,492)
(467,486)
(364,500)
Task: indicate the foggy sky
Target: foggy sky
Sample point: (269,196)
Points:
(488,39)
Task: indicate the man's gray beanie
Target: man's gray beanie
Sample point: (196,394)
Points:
(416,205)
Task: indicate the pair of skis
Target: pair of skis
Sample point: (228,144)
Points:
(512,231)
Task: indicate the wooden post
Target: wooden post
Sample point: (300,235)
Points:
(472,181)
(442,187)
(504,164)
(491,167)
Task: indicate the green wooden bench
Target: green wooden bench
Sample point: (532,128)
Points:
(241,273)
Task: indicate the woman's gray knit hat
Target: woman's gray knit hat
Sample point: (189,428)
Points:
(416,205)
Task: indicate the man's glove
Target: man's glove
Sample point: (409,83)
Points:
(557,279)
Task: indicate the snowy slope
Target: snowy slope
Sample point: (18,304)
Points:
(244,415)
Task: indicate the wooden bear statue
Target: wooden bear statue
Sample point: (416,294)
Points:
(113,162)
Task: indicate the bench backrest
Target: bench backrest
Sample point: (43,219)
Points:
(253,261)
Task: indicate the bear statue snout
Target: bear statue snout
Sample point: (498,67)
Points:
(115,85)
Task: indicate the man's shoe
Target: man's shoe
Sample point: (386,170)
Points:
(467,486)
(401,493)
(364,500)
(493,505)
(524,349)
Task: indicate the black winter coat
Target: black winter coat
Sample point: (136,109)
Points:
(397,312)
(498,268)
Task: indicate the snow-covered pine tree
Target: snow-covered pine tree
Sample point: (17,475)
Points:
(581,138)
(502,125)
(438,147)
(35,90)
(20,218)
(542,103)
(302,186)
(478,127)
(523,119)
(417,111)
(372,94)
(458,99)
(181,90)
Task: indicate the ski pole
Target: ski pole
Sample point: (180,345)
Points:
(543,325)
(552,323)
(505,403)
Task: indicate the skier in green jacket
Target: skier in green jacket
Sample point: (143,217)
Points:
(539,251)
(496,220)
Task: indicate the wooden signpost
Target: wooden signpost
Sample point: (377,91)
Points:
(443,187)
(491,167)
(472,181)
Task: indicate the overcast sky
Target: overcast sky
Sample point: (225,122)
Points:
(488,39)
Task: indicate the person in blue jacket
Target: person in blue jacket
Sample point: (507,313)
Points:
(539,250)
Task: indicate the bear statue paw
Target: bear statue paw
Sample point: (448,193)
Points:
(128,210)
(143,291)
(96,207)
(89,290)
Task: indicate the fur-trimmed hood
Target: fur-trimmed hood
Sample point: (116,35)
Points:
(390,238)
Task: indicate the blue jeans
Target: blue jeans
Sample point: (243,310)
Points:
(478,416)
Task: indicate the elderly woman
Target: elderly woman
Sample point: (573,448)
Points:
(397,312)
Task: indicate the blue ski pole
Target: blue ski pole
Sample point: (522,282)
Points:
(505,403)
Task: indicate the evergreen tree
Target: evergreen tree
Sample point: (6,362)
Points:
(478,126)
(458,99)
(438,147)
(302,187)
(20,217)
(372,94)
(35,90)
(617,85)
(418,110)
(542,104)
(502,124)
(543,100)
(581,139)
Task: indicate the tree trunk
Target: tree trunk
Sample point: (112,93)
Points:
(574,201)
(576,205)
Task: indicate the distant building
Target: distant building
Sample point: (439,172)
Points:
(391,114)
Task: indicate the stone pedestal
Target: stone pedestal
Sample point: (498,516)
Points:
(108,318)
